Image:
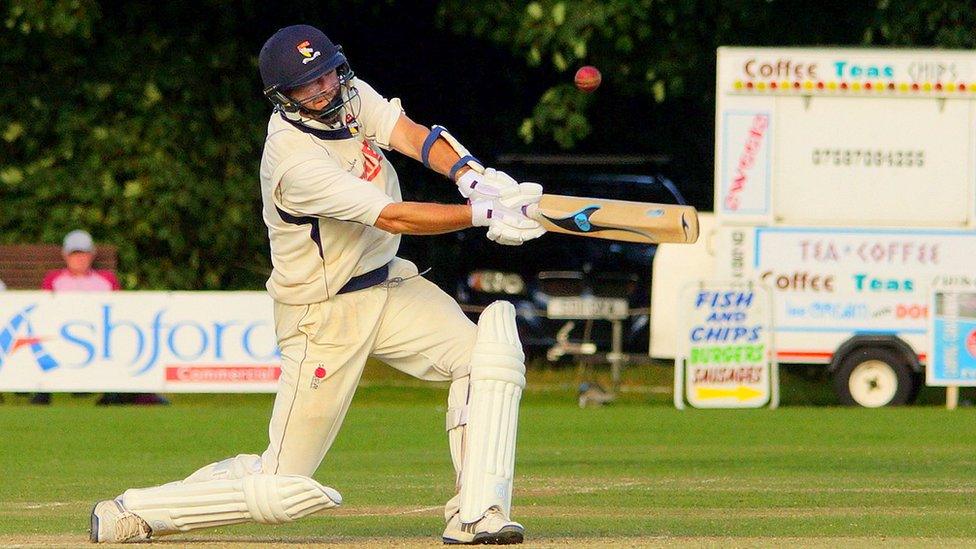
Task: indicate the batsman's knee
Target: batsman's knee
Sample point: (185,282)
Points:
(497,355)
(236,467)
(276,499)
(498,352)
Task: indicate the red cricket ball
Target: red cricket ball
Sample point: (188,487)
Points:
(587,79)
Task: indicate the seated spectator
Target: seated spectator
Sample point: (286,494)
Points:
(78,276)
(78,251)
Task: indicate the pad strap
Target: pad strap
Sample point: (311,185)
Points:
(456,417)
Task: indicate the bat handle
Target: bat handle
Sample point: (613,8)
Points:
(530,211)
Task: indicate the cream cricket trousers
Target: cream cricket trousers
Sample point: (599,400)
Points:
(414,327)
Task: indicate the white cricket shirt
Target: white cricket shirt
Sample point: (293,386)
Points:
(321,198)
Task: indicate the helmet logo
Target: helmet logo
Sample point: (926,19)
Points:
(305,48)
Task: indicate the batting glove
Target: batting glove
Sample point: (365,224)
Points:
(484,186)
(521,196)
(505,216)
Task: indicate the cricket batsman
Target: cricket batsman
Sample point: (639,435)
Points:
(334,214)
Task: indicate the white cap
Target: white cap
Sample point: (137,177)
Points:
(78,241)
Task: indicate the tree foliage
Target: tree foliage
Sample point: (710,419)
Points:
(143,135)
(924,23)
(658,50)
(141,121)
(658,61)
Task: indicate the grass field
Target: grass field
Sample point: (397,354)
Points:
(635,473)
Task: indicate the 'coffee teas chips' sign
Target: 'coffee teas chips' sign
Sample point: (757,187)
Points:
(724,347)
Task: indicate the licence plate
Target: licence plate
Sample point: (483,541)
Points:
(587,307)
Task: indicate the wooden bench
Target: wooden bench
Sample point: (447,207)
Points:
(23,266)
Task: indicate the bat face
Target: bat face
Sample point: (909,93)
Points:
(579,222)
(643,222)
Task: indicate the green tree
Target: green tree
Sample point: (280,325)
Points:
(143,135)
(657,50)
(924,23)
(141,122)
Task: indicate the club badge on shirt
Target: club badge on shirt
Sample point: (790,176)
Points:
(352,124)
(372,162)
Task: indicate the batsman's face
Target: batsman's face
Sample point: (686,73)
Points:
(318,93)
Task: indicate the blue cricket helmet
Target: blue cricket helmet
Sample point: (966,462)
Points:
(297,55)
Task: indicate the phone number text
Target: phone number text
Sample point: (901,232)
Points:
(869,158)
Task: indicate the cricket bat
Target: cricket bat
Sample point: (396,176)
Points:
(643,222)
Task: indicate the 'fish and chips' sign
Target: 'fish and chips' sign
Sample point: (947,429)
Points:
(724,347)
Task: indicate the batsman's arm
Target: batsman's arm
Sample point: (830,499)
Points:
(440,151)
(423,218)
(505,226)
(408,138)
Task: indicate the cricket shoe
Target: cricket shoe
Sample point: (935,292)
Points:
(493,529)
(112,523)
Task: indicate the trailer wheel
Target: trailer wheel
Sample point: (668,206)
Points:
(873,377)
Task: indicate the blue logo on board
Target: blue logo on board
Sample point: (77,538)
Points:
(19,333)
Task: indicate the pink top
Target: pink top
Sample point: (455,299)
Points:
(62,280)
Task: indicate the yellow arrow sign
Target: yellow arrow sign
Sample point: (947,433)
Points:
(741,392)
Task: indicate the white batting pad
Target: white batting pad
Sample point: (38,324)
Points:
(497,379)
(269,499)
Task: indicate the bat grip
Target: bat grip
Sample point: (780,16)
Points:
(530,210)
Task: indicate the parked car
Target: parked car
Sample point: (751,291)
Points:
(558,265)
